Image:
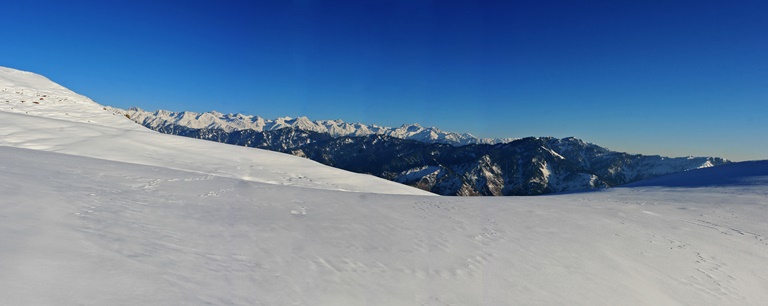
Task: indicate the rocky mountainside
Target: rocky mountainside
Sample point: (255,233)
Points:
(528,166)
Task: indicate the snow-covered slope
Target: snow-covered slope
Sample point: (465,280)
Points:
(83,231)
(336,128)
(39,114)
(31,94)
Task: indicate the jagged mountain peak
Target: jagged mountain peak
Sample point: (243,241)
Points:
(336,128)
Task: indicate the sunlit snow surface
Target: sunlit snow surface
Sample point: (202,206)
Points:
(36,113)
(111,214)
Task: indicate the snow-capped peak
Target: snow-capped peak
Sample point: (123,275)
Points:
(335,128)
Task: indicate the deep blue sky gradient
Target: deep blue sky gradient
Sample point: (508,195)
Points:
(663,77)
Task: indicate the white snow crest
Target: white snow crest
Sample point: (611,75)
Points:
(336,128)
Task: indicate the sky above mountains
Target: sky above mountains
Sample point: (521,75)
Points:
(682,78)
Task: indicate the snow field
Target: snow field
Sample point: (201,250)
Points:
(87,231)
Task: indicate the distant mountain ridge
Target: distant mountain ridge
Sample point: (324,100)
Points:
(528,166)
(335,128)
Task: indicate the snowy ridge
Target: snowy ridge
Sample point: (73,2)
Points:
(27,93)
(336,128)
(39,114)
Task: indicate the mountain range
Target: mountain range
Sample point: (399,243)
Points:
(441,162)
(335,128)
(96,209)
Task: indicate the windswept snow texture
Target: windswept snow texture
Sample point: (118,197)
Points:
(31,94)
(94,212)
(78,230)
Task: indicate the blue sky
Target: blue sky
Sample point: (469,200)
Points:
(663,77)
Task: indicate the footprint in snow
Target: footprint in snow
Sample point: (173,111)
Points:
(302,211)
